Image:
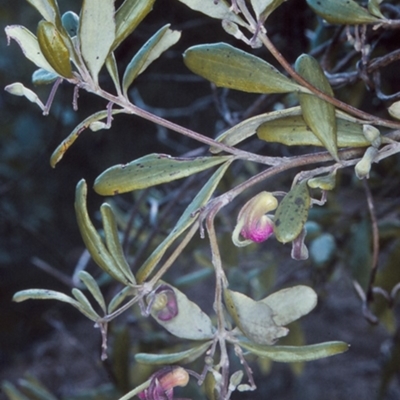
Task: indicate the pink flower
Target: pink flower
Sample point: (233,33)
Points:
(252,223)
(163,382)
(163,302)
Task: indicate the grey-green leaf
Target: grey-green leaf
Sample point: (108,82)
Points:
(181,357)
(128,17)
(218,10)
(318,114)
(59,152)
(190,322)
(249,127)
(70,22)
(91,238)
(29,46)
(263,8)
(346,12)
(43,77)
(93,288)
(87,308)
(184,222)
(112,68)
(48,9)
(44,294)
(255,319)
(113,243)
(292,213)
(150,170)
(127,291)
(229,67)
(96,33)
(162,40)
(296,353)
(293,131)
(290,304)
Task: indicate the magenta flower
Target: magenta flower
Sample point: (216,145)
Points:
(252,223)
(163,382)
(163,302)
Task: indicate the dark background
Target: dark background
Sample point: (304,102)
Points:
(53,342)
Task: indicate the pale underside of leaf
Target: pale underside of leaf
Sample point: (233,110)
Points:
(96,33)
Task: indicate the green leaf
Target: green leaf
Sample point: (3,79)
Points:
(29,46)
(91,238)
(292,213)
(374,9)
(190,322)
(296,353)
(128,17)
(263,8)
(248,127)
(18,89)
(96,33)
(44,294)
(255,319)
(318,114)
(120,297)
(93,288)
(184,222)
(59,152)
(325,182)
(87,308)
(218,10)
(48,9)
(150,170)
(54,49)
(182,357)
(12,392)
(346,12)
(112,68)
(162,40)
(293,131)
(35,389)
(43,77)
(290,304)
(113,243)
(229,67)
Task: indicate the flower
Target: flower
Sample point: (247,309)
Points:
(162,383)
(163,302)
(252,223)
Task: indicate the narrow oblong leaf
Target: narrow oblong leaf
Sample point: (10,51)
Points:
(293,131)
(44,294)
(59,152)
(128,17)
(93,288)
(296,353)
(54,49)
(29,46)
(96,33)
(248,127)
(218,10)
(120,297)
(190,322)
(113,243)
(346,12)
(35,389)
(91,238)
(184,222)
(150,170)
(112,68)
(181,357)
(318,114)
(254,319)
(162,40)
(292,213)
(12,392)
(87,308)
(48,9)
(290,304)
(229,67)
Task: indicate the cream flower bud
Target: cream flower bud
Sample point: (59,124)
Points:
(252,223)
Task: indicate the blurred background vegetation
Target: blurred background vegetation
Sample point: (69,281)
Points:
(53,343)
